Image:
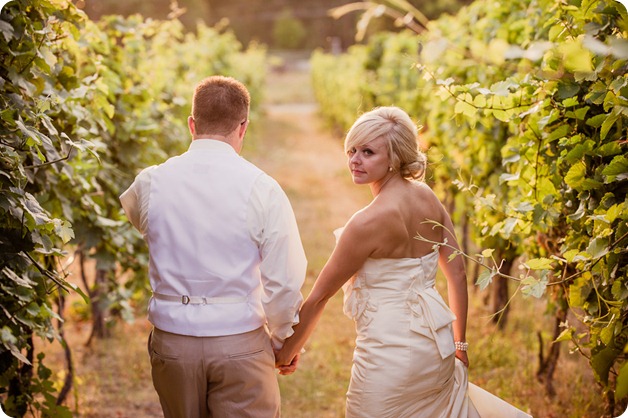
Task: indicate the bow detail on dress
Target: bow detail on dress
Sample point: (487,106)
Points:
(356,301)
(431,317)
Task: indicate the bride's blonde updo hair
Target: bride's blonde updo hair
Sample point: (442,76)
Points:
(399,132)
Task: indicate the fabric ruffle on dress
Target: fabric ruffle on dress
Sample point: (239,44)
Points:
(431,316)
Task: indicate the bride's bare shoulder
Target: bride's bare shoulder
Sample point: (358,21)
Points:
(365,217)
(425,192)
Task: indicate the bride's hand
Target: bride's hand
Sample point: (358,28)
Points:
(290,368)
(462,356)
(285,361)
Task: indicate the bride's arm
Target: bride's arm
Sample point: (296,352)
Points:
(353,248)
(455,273)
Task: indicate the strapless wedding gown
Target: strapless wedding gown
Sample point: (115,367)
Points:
(404,362)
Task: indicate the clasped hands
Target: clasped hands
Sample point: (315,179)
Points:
(286,365)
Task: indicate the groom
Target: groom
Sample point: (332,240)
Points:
(226,266)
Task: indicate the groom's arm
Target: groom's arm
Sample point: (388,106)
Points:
(283,263)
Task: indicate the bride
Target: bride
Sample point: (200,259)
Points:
(411,357)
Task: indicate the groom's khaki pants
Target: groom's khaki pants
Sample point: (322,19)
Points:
(215,377)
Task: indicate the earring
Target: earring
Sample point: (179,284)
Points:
(389,168)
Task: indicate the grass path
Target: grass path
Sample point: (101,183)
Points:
(309,162)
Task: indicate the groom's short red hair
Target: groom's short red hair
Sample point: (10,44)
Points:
(219,105)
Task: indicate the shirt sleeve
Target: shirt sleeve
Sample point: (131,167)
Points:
(134,200)
(283,264)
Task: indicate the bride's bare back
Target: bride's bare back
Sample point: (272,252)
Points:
(403,210)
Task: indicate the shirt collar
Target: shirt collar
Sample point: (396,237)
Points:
(210,144)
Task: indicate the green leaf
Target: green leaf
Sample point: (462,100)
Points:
(532,286)
(575,175)
(576,297)
(539,264)
(19,281)
(566,335)
(108,223)
(614,212)
(509,226)
(602,361)
(488,253)
(465,108)
(576,57)
(578,214)
(100,100)
(608,149)
(579,151)
(621,388)
(558,133)
(570,255)
(503,88)
(619,290)
(590,184)
(485,278)
(610,101)
(501,115)
(505,177)
(570,102)
(606,334)
(17,354)
(581,113)
(608,124)
(616,169)
(64,230)
(27,132)
(524,207)
(9,341)
(598,247)
(453,255)
(7,31)
(78,290)
(545,187)
(596,120)
(567,89)
(479,101)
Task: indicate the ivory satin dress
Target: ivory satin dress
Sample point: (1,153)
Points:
(404,362)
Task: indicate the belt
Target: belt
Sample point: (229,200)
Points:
(198,300)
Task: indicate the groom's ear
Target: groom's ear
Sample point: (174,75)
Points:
(243,127)
(191,125)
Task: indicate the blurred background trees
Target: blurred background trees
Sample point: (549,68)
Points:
(261,20)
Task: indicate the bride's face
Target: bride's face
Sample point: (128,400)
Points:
(368,162)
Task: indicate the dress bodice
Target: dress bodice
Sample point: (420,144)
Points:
(408,281)
(397,274)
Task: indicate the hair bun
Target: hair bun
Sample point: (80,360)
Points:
(415,169)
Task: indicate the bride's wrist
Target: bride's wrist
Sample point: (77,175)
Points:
(461,345)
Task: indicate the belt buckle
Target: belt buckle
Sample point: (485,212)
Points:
(185,299)
(204,300)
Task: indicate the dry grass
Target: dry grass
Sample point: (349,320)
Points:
(113,377)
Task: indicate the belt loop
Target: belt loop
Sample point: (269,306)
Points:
(185,299)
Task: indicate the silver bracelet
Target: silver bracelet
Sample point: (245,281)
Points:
(461,345)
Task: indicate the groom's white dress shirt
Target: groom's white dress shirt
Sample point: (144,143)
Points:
(223,234)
